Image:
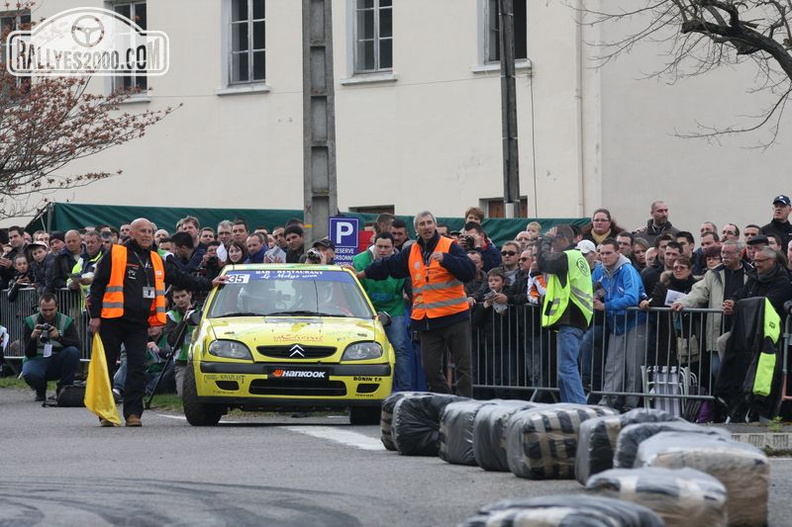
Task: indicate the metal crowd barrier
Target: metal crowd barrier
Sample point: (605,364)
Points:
(13,314)
(673,358)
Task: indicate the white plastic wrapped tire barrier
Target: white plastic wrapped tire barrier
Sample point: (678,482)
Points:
(596,444)
(416,423)
(542,443)
(386,417)
(597,439)
(564,511)
(681,497)
(742,468)
(456,431)
(489,433)
(647,415)
(631,437)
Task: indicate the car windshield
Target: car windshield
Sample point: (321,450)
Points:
(298,292)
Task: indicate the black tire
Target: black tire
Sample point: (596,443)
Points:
(197,413)
(364,415)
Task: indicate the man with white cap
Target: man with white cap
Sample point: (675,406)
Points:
(589,251)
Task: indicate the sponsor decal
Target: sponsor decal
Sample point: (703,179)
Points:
(299,374)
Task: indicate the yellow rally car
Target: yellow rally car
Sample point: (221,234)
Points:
(284,337)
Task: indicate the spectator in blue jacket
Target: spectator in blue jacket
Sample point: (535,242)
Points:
(617,286)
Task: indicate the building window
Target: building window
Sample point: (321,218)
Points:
(13,21)
(496,209)
(492,43)
(373,35)
(136,12)
(248,50)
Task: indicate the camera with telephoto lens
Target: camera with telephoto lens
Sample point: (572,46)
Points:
(45,329)
(313,256)
(468,243)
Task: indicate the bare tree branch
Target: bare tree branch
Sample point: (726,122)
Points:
(727,32)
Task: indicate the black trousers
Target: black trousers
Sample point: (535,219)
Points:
(134,337)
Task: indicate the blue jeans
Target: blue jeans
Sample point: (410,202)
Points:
(568,349)
(398,335)
(60,365)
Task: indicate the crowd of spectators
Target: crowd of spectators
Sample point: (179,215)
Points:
(654,265)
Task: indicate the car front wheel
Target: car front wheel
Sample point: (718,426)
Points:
(197,413)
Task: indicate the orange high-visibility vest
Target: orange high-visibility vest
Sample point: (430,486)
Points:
(436,292)
(113,300)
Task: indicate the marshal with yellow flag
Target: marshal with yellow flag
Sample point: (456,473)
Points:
(98,394)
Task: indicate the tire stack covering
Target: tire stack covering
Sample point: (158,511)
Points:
(631,437)
(742,468)
(561,511)
(489,433)
(416,423)
(681,497)
(386,417)
(598,437)
(541,443)
(456,431)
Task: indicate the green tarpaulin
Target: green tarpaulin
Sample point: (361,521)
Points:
(64,216)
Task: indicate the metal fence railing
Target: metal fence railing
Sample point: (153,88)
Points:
(12,317)
(668,360)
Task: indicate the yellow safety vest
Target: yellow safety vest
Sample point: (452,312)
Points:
(578,288)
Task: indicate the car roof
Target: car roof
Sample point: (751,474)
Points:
(281,267)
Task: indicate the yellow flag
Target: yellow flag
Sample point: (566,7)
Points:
(98,394)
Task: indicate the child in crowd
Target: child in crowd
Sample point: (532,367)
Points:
(21,277)
(40,260)
(533,229)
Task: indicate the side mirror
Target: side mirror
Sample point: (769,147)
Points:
(193,317)
(384,318)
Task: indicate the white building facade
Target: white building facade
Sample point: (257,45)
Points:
(418,116)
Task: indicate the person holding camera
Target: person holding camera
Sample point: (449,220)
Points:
(52,348)
(568,306)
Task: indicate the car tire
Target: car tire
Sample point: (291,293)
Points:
(197,413)
(364,415)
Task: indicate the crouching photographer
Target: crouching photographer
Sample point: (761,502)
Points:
(51,348)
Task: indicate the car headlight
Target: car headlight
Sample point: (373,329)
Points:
(362,351)
(229,349)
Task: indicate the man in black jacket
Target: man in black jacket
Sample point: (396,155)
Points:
(780,225)
(65,261)
(52,347)
(770,280)
(127,322)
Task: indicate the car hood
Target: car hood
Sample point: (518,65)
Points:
(268,331)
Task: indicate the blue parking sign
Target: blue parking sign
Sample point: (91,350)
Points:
(344,234)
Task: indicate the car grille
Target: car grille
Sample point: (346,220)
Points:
(294,351)
(292,387)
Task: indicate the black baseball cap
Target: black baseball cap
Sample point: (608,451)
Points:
(782,199)
(324,242)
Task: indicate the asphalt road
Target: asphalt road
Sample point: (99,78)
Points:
(60,468)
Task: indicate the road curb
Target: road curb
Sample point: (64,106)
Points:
(774,444)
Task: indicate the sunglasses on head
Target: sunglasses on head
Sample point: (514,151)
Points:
(508,253)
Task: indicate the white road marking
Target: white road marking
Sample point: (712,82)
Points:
(344,437)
